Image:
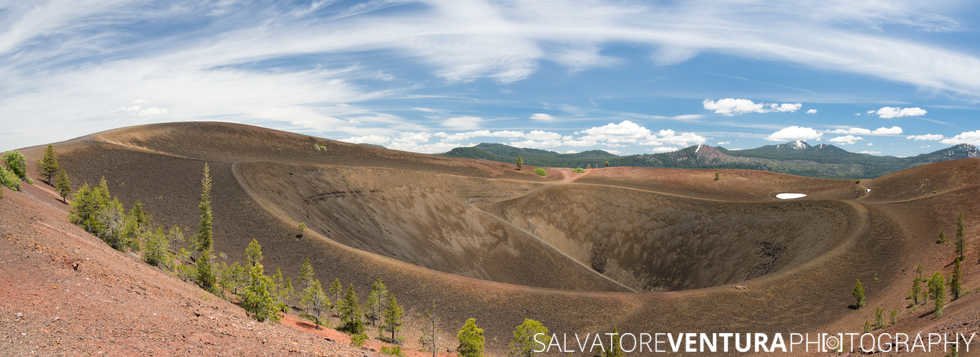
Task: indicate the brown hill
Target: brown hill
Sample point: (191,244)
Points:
(480,239)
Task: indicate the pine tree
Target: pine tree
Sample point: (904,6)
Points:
(234,277)
(257,298)
(253,254)
(205,234)
(306,273)
(616,349)
(284,288)
(519,162)
(156,251)
(393,317)
(49,164)
(937,289)
(428,337)
(337,294)
(470,339)
(315,301)
(87,205)
(110,224)
(137,223)
(63,185)
(523,344)
(942,238)
(376,302)
(916,290)
(205,273)
(350,312)
(858,294)
(176,238)
(879,318)
(956,281)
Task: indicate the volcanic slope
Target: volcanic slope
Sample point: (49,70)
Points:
(680,250)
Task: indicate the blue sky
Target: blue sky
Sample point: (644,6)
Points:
(883,77)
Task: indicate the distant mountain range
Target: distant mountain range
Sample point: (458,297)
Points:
(797,158)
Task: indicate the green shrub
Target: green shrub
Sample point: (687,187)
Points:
(358,339)
(392,350)
(523,343)
(9,178)
(579,170)
(470,339)
(858,293)
(541,172)
(16,163)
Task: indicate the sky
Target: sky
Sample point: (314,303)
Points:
(880,77)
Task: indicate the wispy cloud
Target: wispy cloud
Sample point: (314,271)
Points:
(83,65)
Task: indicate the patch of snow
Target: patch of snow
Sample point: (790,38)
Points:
(799,145)
(698,149)
(790,196)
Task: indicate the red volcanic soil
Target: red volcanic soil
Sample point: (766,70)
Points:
(63,291)
(682,251)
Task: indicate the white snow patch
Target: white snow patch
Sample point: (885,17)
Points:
(790,196)
(698,149)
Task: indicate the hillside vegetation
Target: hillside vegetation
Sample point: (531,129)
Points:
(798,158)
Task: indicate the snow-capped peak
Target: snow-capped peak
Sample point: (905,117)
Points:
(800,145)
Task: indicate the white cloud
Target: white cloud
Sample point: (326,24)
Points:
(887,131)
(140,109)
(882,131)
(687,117)
(793,133)
(661,149)
(373,139)
(111,62)
(541,117)
(846,139)
(811,111)
(625,134)
(966,137)
(925,137)
(735,106)
(850,130)
(785,107)
(897,112)
(462,123)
